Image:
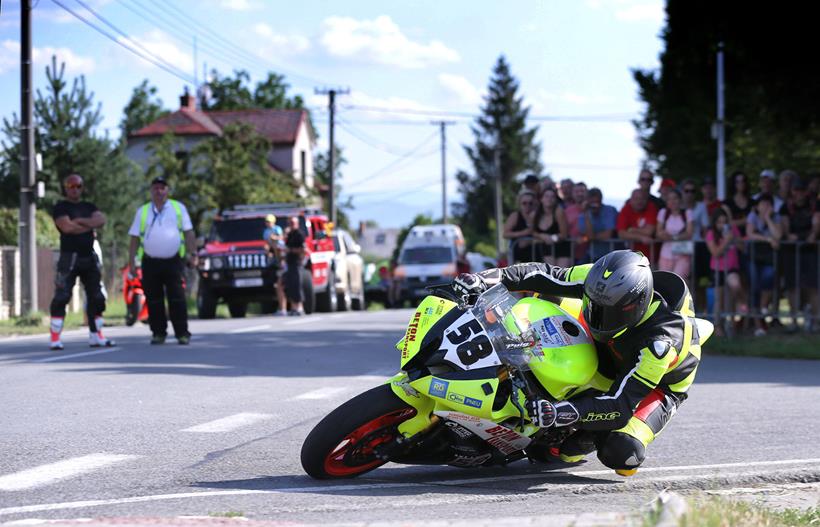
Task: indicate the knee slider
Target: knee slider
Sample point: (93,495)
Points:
(621,451)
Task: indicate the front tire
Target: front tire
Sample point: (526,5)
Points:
(134,309)
(342,444)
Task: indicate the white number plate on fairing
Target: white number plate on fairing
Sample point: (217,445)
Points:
(467,345)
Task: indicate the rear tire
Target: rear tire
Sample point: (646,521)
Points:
(327,301)
(309,296)
(345,300)
(134,308)
(341,445)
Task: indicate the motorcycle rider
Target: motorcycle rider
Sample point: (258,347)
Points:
(644,331)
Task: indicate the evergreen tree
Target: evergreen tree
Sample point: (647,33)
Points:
(772,115)
(142,109)
(502,125)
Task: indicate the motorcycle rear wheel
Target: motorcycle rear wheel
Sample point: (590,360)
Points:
(343,444)
(133,309)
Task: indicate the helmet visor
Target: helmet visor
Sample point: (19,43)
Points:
(609,319)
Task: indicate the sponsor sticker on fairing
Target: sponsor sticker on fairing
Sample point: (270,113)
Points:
(438,388)
(506,440)
(410,336)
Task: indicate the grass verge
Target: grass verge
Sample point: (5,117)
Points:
(719,512)
(800,346)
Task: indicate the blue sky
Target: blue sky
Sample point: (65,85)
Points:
(571,58)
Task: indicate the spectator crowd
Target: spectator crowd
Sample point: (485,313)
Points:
(741,256)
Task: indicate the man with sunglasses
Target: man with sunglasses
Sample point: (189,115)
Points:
(76,220)
(643,326)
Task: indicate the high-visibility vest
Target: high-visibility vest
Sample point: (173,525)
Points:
(144,219)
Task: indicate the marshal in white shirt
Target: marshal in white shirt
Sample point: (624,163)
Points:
(162,236)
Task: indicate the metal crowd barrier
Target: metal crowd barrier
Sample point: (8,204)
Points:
(794,267)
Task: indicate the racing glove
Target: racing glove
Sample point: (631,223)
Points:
(468,284)
(545,414)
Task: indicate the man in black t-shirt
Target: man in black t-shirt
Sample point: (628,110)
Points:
(76,221)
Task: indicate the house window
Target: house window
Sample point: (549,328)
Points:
(302,167)
(380,238)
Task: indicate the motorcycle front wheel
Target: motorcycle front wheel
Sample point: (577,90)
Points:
(133,309)
(343,444)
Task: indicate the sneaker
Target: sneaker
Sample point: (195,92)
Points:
(296,313)
(157,339)
(56,345)
(96,340)
(760,332)
(280,314)
(184,340)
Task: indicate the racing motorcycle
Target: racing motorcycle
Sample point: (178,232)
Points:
(136,309)
(467,372)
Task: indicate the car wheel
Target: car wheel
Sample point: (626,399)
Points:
(328,301)
(205,302)
(238,309)
(308,294)
(345,300)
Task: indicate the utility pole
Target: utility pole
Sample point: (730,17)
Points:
(499,242)
(443,125)
(196,78)
(720,131)
(27,236)
(331,154)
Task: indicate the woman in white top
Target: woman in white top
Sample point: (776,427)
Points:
(675,227)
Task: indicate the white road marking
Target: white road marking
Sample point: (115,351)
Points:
(250,329)
(230,423)
(53,472)
(74,355)
(321,393)
(303,320)
(370,486)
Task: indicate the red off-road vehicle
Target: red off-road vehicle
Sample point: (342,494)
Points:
(235,266)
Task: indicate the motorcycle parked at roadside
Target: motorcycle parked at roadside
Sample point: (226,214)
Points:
(136,309)
(467,372)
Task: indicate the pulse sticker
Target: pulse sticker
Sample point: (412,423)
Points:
(438,388)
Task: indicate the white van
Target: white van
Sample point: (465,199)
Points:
(430,255)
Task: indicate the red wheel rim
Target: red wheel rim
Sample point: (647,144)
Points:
(356,452)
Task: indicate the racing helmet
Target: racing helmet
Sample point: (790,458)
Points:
(617,292)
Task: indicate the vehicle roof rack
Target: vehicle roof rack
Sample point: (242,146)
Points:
(240,211)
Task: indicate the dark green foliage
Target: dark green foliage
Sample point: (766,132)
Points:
(142,109)
(502,125)
(47,235)
(772,113)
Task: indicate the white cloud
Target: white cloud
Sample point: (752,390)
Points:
(632,10)
(74,63)
(461,88)
(381,41)
(278,44)
(160,45)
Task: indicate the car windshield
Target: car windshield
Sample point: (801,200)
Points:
(513,338)
(426,255)
(242,230)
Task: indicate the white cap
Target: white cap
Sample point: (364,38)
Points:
(769,173)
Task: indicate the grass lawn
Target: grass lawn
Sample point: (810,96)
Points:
(719,512)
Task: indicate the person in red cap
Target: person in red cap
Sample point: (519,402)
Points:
(667,185)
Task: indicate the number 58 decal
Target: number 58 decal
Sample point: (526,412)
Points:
(470,341)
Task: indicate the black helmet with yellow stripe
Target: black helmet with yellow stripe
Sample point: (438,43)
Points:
(617,292)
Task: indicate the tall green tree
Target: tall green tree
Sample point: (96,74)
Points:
(501,126)
(143,108)
(772,115)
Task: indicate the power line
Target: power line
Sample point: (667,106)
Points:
(450,113)
(227,43)
(153,61)
(124,35)
(174,29)
(400,160)
(369,140)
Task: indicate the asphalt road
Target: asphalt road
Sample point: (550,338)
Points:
(215,428)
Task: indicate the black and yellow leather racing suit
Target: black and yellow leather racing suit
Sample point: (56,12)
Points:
(651,365)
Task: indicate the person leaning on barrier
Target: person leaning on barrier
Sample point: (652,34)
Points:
(518,227)
(637,220)
(800,218)
(597,225)
(550,230)
(675,228)
(162,241)
(76,221)
(763,232)
(645,334)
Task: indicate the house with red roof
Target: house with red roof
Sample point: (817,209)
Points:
(289,132)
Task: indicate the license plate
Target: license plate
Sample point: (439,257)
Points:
(247,282)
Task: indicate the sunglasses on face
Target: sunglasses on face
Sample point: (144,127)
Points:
(689,190)
(74,186)
(645,180)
